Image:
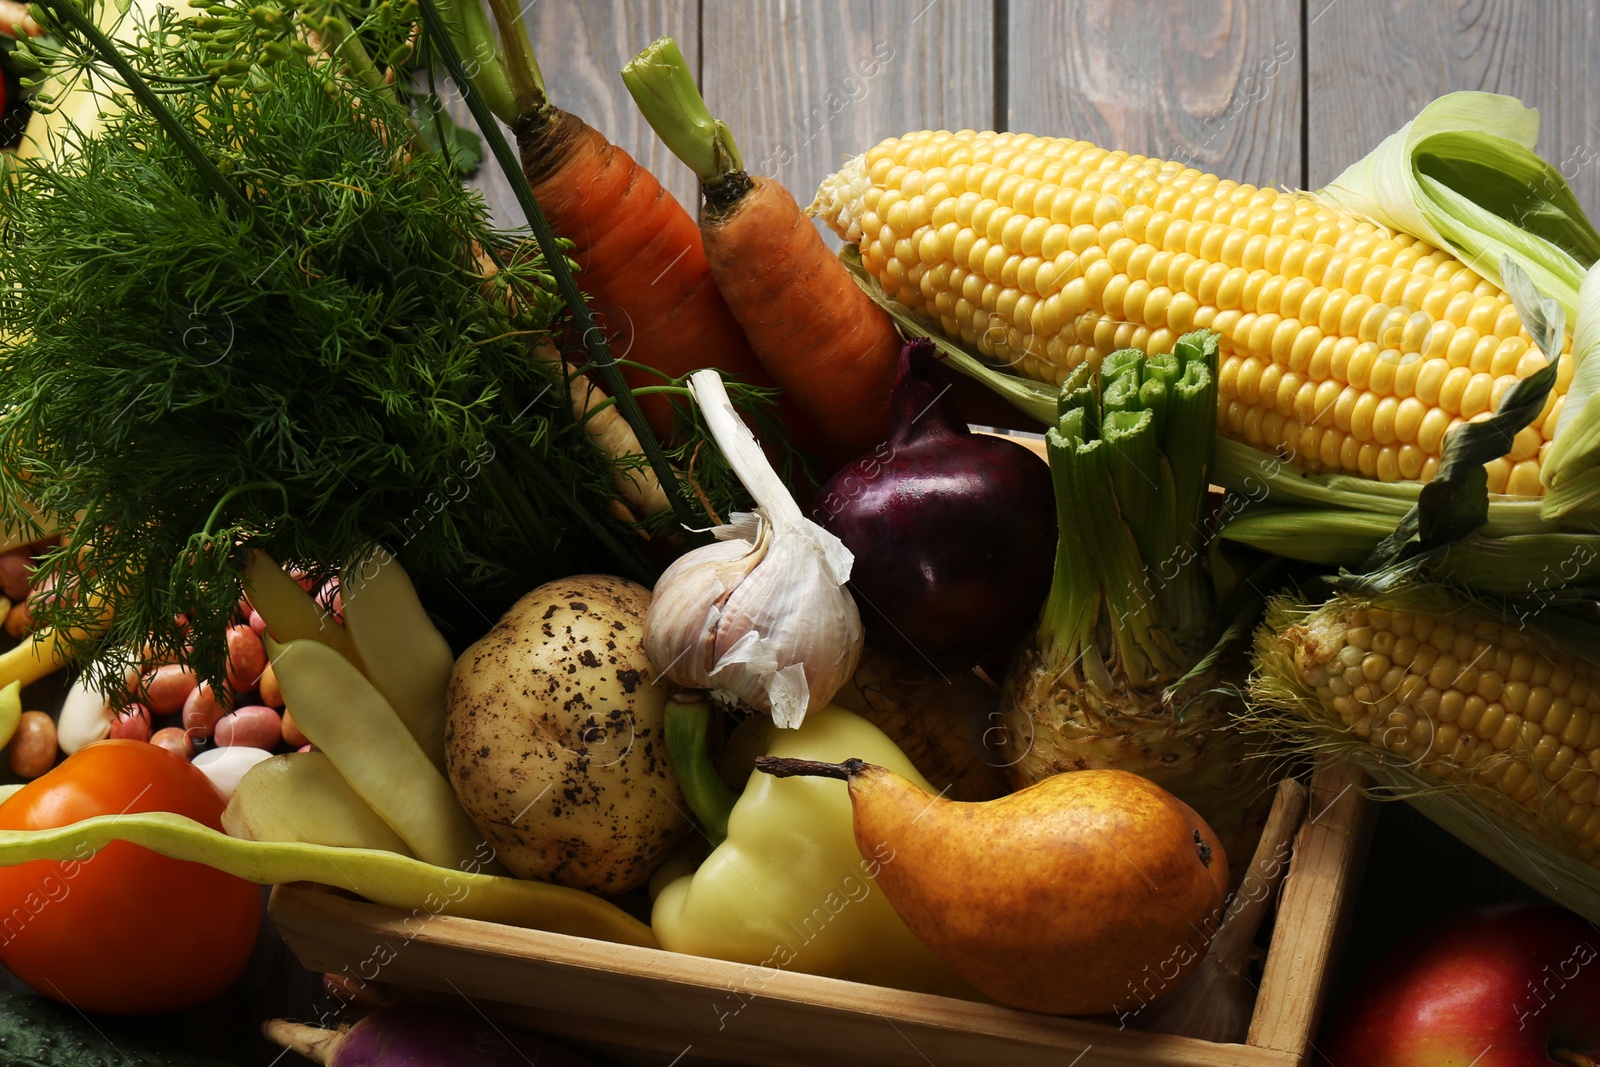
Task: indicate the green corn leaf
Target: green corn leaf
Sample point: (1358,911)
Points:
(1575,449)
(1463,176)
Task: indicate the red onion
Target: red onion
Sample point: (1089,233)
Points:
(954,533)
(413,1036)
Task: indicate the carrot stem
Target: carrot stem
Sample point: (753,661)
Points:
(594,339)
(472,35)
(521,67)
(663,87)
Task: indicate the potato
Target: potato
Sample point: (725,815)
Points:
(554,742)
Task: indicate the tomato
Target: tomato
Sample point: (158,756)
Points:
(123,930)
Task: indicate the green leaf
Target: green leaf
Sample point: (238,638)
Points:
(461,146)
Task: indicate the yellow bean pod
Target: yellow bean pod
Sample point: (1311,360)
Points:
(10,710)
(402,653)
(291,613)
(381,877)
(345,716)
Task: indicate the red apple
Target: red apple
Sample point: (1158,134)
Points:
(1514,985)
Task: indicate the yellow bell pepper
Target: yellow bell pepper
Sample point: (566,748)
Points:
(787,890)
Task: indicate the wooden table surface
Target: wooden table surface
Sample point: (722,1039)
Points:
(1279,92)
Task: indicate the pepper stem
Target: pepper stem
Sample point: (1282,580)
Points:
(708,795)
(788,767)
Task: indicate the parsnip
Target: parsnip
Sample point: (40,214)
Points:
(611,435)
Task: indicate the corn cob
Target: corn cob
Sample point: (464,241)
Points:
(1344,347)
(1451,694)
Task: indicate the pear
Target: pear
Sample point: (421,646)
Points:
(1088,893)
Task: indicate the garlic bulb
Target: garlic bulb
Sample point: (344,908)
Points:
(763,614)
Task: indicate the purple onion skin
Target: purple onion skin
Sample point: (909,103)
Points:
(954,533)
(413,1036)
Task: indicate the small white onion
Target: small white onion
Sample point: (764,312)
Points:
(225,766)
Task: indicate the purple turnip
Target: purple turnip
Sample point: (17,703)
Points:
(411,1036)
(954,533)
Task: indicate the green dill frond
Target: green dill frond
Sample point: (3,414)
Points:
(328,371)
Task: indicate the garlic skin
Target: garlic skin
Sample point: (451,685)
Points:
(763,615)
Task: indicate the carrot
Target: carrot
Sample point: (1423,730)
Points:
(820,336)
(830,347)
(639,255)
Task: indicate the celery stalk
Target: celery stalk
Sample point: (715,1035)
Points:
(1131,613)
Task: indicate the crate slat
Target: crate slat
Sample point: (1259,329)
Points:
(1318,895)
(703,1010)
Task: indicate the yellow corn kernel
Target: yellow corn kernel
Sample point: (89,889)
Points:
(1419,339)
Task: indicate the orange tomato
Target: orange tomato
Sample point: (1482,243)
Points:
(123,930)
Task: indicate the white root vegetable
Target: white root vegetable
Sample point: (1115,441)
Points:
(404,655)
(613,438)
(227,766)
(347,718)
(1215,1002)
(85,717)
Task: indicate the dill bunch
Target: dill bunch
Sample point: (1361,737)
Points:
(325,370)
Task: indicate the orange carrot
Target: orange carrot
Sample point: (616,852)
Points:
(640,258)
(830,347)
(820,337)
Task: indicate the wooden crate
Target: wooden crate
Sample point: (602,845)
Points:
(647,1006)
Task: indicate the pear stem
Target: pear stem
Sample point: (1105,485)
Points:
(787,767)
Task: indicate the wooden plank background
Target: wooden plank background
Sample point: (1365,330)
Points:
(1280,92)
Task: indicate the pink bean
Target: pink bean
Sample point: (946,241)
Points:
(173,740)
(201,712)
(331,600)
(132,724)
(291,731)
(16,572)
(247,658)
(167,689)
(255,726)
(271,693)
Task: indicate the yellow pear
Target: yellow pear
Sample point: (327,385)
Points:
(1089,893)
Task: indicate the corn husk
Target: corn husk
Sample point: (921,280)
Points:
(1533,846)
(1463,176)
(1570,472)
(1541,566)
